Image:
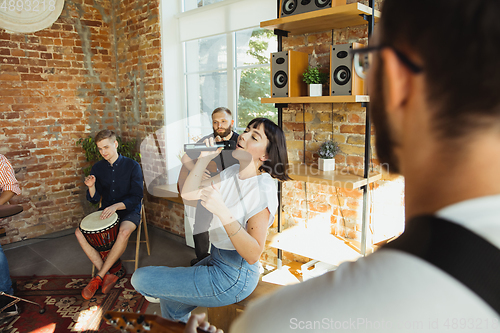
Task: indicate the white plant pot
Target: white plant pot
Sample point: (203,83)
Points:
(326,164)
(315,90)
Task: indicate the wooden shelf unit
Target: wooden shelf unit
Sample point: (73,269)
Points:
(324,247)
(319,99)
(320,20)
(338,178)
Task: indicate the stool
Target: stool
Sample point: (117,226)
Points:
(223,316)
(138,241)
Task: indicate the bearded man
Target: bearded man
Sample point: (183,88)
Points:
(222,123)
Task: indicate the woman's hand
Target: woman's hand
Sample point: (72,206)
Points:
(212,200)
(210,142)
(198,320)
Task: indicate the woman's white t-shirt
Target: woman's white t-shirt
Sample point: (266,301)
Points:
(244,198)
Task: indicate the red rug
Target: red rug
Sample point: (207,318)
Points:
(66,309)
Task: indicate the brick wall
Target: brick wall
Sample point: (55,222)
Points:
(98,66)
(139,78)
(56,85)
(139,74)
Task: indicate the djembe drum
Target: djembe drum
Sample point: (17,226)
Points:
(101,234)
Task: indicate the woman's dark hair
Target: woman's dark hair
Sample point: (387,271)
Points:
(277,163)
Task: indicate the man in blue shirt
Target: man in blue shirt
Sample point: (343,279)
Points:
(116,182)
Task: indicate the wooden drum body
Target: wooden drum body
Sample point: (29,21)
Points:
(101,234)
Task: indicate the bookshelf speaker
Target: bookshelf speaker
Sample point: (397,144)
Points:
(286,73)
(343,79)
(294,7)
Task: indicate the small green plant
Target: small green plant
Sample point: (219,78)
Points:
(312,75)
(125,148)
(328,149)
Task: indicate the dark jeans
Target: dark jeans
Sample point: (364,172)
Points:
(201,239)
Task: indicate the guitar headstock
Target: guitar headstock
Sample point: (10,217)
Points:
(141,323)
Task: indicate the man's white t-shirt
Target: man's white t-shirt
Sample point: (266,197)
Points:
(388,291)
(244,198)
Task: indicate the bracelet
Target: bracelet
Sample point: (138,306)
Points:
(236,231)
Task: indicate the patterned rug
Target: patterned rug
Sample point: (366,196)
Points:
(66,309)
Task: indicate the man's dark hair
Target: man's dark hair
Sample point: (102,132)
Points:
(222,109)
(459,44)
(105,134)
(277,163)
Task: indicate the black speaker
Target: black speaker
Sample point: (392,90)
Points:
(343,78)
(294,7)
(286,73)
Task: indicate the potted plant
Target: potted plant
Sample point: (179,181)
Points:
(315,80)
(327,152)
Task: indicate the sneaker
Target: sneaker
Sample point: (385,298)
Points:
(89,291)
(110,280)
(152,299)
(108,283)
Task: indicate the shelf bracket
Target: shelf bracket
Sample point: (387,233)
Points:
(280,105)
(282,33)
(365,17)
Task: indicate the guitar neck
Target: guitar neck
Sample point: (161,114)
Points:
(136,322)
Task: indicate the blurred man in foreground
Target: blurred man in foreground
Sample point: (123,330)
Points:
(434,82)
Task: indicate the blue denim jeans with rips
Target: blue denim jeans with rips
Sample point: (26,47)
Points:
(220,279)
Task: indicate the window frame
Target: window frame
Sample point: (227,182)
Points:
(232,68)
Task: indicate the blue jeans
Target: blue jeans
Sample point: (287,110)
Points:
(5,282)
(221,279)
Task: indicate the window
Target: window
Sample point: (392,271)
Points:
(192,4)
(206,74)
(230,70)
(200,68)
(253,75)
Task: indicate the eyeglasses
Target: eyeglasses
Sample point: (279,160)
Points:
(362,60)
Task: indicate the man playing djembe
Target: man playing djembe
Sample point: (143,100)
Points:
(116,182)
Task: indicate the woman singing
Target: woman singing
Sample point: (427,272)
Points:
(243,199)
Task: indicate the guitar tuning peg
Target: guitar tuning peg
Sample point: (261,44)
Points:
(146,326)
(127,322)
